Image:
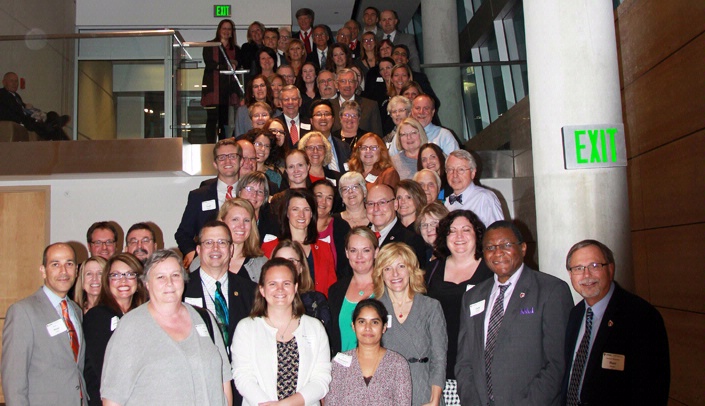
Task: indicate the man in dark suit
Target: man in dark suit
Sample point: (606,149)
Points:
(43,349)
(203,203)
(228,295)
(321,52)
(510,342)
(389,21)
(305,17)
(616,346)
(295,125)
(322,121)
(346,82)
(382,212)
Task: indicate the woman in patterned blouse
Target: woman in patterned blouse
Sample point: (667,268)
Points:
(280,355)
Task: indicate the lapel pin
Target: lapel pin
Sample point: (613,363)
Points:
(522,294)
(236,293)
(610,323)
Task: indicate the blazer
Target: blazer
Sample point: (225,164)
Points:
(255,360)
(633,328)
(336,295)
(303,119)
(241,295)
(401,38)
(342,152)
(528,363)
(370,119)
(399,233)
(202,206)
(98,327)
(313,57)
(38,369)
(10,110)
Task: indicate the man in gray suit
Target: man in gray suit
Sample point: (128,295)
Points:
(389,21)
(42,341)
(346,82)
(512,329)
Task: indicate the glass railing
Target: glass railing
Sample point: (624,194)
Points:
(114,85)
(487,89)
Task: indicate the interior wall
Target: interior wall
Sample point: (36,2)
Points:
(662,49)
(96,111)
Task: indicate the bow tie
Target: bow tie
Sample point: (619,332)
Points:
(455,198)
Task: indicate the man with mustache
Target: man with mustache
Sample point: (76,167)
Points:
(140,241)
(616,346)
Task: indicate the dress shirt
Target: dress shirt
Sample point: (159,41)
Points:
(483,202)
(334,165)
(391,35)
(209,289)
(341,100)
(438,135)
(56,302)
(507,295)
(320,57)
(383,233)
(598,311)
(297,120)
(222,189)
(366,29)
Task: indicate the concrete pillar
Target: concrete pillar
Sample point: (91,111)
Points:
(574,79)
(440,39)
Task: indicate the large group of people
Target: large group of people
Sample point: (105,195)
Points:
(330,261)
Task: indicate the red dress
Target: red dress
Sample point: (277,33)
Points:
(323,262)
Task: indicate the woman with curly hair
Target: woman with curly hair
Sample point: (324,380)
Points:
(370,157)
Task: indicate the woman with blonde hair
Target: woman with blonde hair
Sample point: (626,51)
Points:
(320,154)
(296,55)
(410,136)
(370,157)
(88,283)
(411,198)
(239,215)
(417,329)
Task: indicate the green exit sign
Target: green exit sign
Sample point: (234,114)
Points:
(221,11)
(594,146)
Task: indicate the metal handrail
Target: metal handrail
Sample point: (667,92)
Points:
(112,34)
(473,64)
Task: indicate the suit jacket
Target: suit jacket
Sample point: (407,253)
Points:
(302,131)
(405,39)
(399,233)
(370,119)
(336,295)
(630,327)
(528,363)
(342,152)
(10,110)
(38,369)
(313,58)
(202,206)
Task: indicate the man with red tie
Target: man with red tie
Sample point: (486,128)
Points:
(305,18)
(354,28)
(42,341)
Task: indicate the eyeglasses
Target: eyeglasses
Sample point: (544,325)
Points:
(107,243)
(260,115)
(371,205)
(116,276)
(246,159)
(330,80)
(365,148)
(507,246)
(319,35)
(134,241)
(321,114)
(252,189)
(368,40)
(592,268)
(213,243)
(349,189)
(410,133)
(350,116)
(276,131)
(223,157)
(262,86)
(397,111)
(459,171)
(263,145)
(314,148)
(400,53)
(430,224)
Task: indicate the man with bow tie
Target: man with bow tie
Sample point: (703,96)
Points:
(510,345)
(460,171)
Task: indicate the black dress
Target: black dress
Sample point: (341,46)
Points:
(98,327)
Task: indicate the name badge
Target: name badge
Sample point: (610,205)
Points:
(346,166)
(208,205)
(389,321)
(305,126)
(325,239)
(370,178)
(614,362)
(56,327)
(202,330)
(477,308)
(468,287)
(114,323)
(333,181)
(194,301)
(343,359)
(380,80)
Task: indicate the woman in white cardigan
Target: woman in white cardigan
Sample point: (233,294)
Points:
(280,355)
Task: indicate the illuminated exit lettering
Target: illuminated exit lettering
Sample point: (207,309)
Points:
(221,11)
(594,146)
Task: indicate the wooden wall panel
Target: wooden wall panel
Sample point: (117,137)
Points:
(669,188)
(667,102)
(662,27)
(686,336)
(671,260)
(24,232)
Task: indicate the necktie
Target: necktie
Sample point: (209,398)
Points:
(579,362)
(306,38)
(294,132)
(389,37)
(378,235)
(73,335)
(492,329)
(323,59)
(221,312)
(229,193)
(455,198)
